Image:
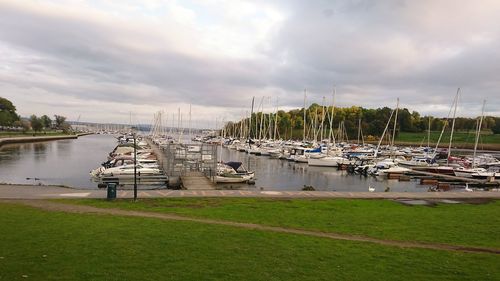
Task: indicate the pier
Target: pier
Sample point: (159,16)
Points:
(190,166)
(196,181)
(455,178)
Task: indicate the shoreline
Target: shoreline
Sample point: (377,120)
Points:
(486,147)
(29,139)
(23,191)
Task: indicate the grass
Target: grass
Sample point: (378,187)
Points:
(10,134)
(458,224)
(59,246)
(458,137)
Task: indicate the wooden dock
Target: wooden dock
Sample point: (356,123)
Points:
(196,181)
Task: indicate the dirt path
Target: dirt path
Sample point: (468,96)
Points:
(69,208)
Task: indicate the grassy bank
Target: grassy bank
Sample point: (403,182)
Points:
(458,137)
(58,246)
(458,224)
(4,134)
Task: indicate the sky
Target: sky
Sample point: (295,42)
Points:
(100,60)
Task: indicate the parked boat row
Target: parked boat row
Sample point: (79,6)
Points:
(129,160)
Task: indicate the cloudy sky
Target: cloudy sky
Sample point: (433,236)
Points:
(102,59)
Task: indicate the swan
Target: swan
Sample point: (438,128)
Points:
(467,188)
(371,189)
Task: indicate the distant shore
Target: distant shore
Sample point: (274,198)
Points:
(457,146)
(28,139)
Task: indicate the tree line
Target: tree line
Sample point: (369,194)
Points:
(350,120)
(9,120)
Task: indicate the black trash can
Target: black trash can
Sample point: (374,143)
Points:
(111,195)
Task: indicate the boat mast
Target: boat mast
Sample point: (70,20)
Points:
(429,133)
(383,133)
(394,129)
(322,119)
(190,131)
(304,137)
(331,117)
(453,126)
(276,119)
(359,129)
(250,123)
(478,132)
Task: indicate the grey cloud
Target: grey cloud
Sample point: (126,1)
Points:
(373,51)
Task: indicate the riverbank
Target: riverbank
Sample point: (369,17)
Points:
(493,147)
(27,139)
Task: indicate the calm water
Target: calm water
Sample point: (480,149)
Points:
(68,162)
(61,162)
(284,175)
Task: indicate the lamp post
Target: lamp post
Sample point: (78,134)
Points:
(135,163)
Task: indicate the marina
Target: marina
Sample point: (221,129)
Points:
(189,168)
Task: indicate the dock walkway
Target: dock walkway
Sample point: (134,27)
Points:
(196,181)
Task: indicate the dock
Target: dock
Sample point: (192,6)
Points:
(189,164)
(196,181)
(464,179)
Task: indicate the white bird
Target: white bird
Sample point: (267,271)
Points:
(371,189)
(467,188)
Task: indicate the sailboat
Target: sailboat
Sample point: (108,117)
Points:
(474,171)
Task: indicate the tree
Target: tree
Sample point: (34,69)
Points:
(36,123)
(496,128)
(7,112)
(46,122)
(22,124)
(60,120)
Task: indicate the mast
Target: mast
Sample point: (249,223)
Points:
(276,119)
(394,129)
(453,125)
(190,137)
(322,119)
(331,117)
(250,122)
(304,137)
(478,132)
(383,133)
(429,133)
(359,129)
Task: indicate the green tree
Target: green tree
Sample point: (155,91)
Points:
(496,128)
(36,123)
(60,120)
(46,121)
(7,112)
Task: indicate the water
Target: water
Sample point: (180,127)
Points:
(285,175)
(68,162)
(61,162)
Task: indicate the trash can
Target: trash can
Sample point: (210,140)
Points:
(111,195)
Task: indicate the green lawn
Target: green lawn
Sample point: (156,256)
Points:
(58,246)
(458,137)
(458,224)
(8,134)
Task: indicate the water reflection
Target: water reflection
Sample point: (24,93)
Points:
(284,175)
(39,150)
(62,162)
